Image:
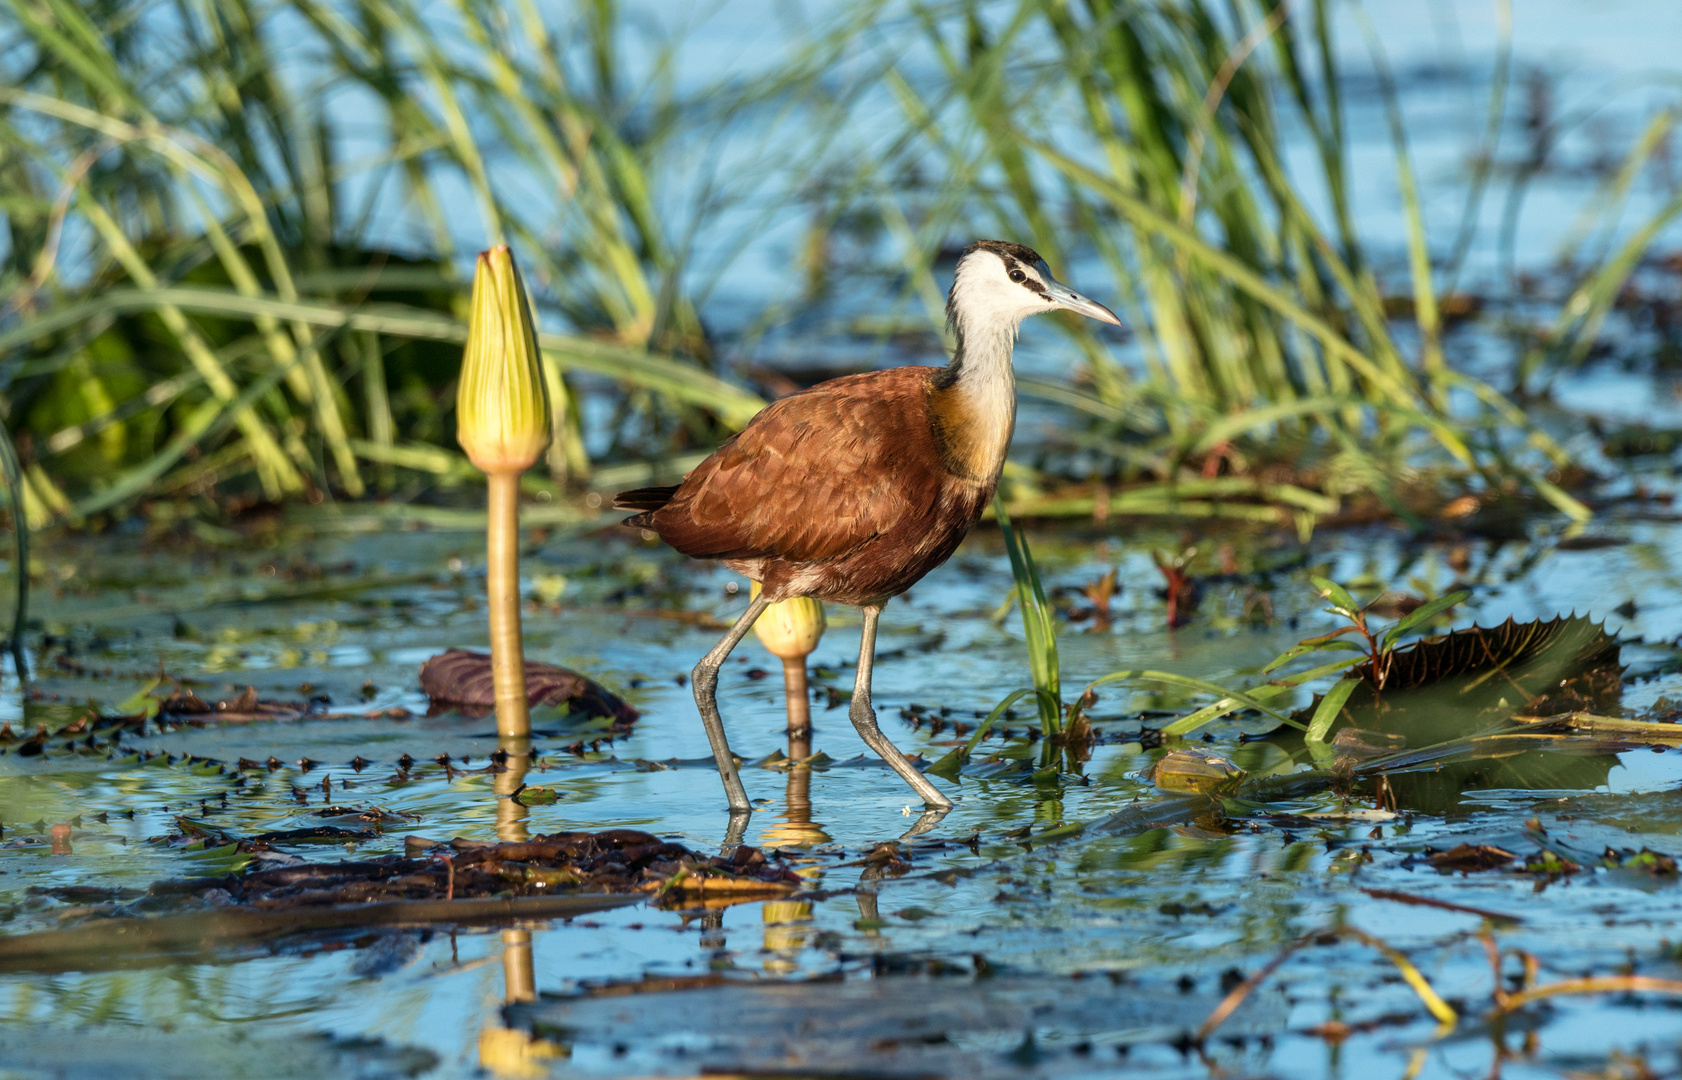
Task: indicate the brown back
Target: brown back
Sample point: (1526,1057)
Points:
(814,476)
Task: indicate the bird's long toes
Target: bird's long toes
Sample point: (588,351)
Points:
(931,816)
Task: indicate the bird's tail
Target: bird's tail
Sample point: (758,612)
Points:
(646,499)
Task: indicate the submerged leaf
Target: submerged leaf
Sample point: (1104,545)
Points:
(1195,770)
(947,768)
(1474,679)
(1523,657)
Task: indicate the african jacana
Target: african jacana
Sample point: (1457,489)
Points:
(852,490)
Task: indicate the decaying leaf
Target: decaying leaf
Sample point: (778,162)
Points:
(461,680)
(184,704)
(1356,744)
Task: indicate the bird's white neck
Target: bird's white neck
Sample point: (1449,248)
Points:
(973,401)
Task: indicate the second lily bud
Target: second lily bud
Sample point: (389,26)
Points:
(790,630)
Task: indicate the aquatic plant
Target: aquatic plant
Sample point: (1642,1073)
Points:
(1039,625)
(502,422)
(1040,632)
(1379,652)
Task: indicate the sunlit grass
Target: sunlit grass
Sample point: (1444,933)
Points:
(237,237)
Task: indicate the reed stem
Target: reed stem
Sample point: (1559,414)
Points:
(799,700)
(502,590)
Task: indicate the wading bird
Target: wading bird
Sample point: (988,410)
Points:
(852,490)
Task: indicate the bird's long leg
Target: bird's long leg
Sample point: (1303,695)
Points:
(705,678)
(864,718)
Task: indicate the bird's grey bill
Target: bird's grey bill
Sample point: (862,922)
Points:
(1074,301)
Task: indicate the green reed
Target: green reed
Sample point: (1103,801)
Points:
(198,291)
(201,294)
(1148,135)
(1039,625)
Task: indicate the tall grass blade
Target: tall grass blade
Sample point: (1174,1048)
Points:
(1039,624)
(20,553)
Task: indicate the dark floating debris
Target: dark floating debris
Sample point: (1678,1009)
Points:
(458,881)
(1471,858)
(460,680)
(185,706)
(614,861)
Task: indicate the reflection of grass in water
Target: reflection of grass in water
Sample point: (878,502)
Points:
(190,269)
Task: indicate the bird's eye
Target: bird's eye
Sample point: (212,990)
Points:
(1017,275)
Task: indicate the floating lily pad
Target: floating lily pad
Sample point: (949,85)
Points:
(537,796)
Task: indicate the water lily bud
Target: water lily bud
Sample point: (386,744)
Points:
(790,629)
(502,402)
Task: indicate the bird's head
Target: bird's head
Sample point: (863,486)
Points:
(998,282)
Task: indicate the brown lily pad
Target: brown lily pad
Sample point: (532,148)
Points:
(462,681)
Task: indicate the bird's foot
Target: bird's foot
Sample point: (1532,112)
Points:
(928,820)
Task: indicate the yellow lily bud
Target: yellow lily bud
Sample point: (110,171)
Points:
(790,629)
(502,402)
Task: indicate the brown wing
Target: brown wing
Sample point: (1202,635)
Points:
(813,476)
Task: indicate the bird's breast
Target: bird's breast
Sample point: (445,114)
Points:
(972,423)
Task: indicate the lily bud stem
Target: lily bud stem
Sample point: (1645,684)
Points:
(502,588)
(799,700)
